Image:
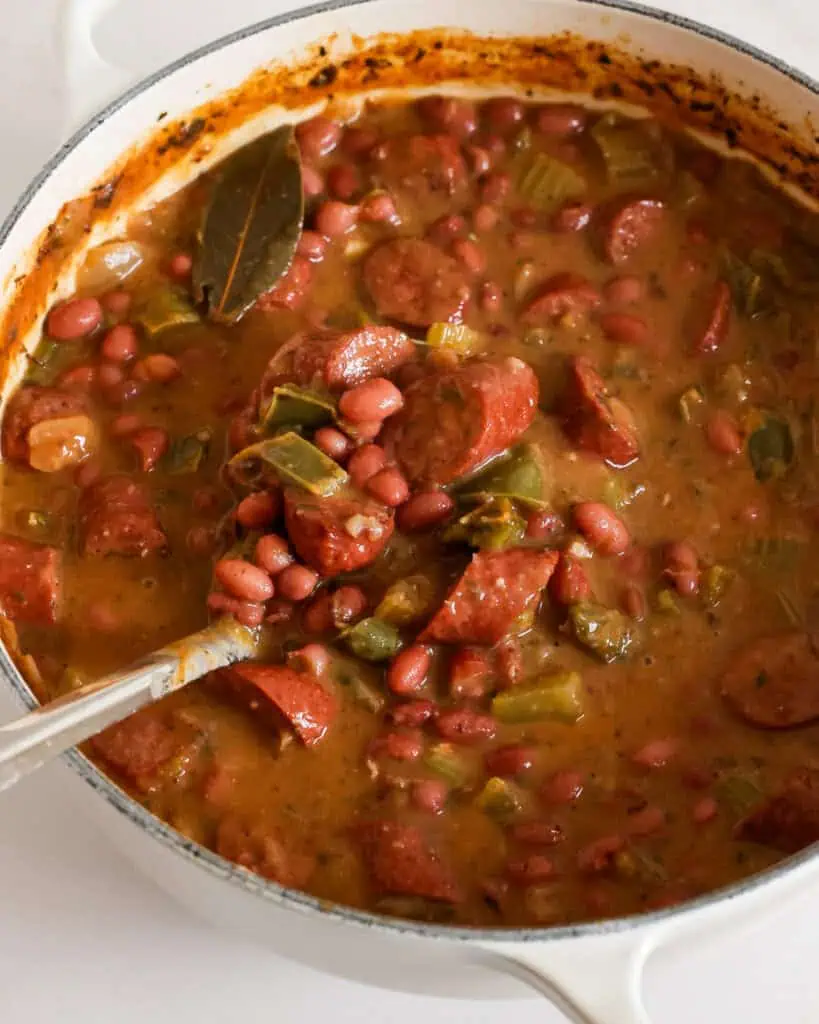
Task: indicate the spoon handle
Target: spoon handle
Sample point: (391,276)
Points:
(27,743)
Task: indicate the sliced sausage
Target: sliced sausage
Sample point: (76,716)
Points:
(773,683)
(338,359)
(338,534)
(258,847)
(454,420)
(32,405)
(594,420)
(632,225)
(561,295)
(414,282)
(116,518)
(423,165)
(789,821)
(301,699)
(496,589)
(401,862)
(712,328)
(29,581)
(139,747)
(291,289)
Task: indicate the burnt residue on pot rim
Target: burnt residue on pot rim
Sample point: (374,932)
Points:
(678,95)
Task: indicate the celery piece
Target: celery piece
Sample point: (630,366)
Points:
(448,763)
(347,673)
(746,284)
(372,639)
(407,601)
(631,156)
(554,696)
(607,632)
(165,307)
(739,792)
(295,461)
(715,582)
(39,368)
(292,406)
(691,404)
(457,337)
(518,477)
(666,602)
(500,799)
(546,183)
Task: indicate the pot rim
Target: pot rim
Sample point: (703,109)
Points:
(218,866)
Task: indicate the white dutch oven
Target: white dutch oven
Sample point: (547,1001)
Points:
(593,971)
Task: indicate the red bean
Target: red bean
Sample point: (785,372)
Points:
(480,159)
(705,810)
(272,554)
(243,580)
(333,443)
(318,616)
(120,344)
(624,290)
(389,486)
(366,430)
(449,114)
(201,540)
(335,219)
(470,254)
(429,795)
(408,671)
(248,613)
(181,265)
(379,208)
(681,565)
(151,444)
(723,433)
(464,725)
(646,822)
(318,136)
(491,297)
(657,753)
(312,658)
(604,530)
(110,375)
(503,113)
(399,746)
(123,392)
(485,218)
(343,181)
(536,833)
(78,378)
(413,712)
(117,303)
(158,367)
(625,329)
(424,511)
(530,870)
(74,319)
(278,610)
(375,399)
(296,582)
(572,217)
(544,525)
(599,855)
(366,462)
(358,141)
(510,760)
(564,787)
(560,119)
(445,229)
(312,246)
(312,183)
(258,510)
(495,186)
(348,603)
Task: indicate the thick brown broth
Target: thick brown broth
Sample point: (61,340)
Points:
(645,799)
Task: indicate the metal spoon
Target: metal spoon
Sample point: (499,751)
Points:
(41,735)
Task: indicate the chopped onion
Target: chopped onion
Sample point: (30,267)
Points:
(110,264)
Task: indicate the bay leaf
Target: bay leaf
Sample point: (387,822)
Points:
(251,225)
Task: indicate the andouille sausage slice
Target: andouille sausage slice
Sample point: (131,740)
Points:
(140,746)
(29,580)
(596,421)
(632,225)
(257,846)
(773,683)
(336,534)
(32,405)
(496,589)
(338,359)
(560,295)
(416,283)
(301,699)
(401,862)
(423,164)
(454,420)
(788,821)
(116,518)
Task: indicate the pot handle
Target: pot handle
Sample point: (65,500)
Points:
(89,81)
(592,980)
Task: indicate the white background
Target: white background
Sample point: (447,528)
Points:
(82,937)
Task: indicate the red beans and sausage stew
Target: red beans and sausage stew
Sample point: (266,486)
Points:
(500,420)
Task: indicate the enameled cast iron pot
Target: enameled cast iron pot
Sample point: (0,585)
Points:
(155,137)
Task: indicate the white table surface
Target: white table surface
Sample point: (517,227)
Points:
(82,936)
